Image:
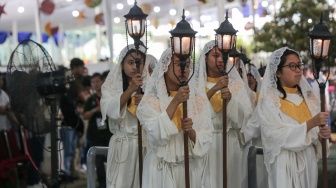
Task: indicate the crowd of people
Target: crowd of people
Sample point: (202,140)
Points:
(279,111)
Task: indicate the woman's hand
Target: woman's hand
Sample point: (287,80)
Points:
(137,98)
(325,132)
(318,120)
(182,94)
(226,94)
(187,124)
(136,82)
(223,82)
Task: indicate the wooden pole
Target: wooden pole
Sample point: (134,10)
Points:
(322,87)
(224,145)
(186,149)
(139,131)
(225,59)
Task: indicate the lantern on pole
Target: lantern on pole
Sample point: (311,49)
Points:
(225,40)
(319,39)
(136,27)
(183,44)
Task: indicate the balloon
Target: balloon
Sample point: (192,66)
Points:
(146,8)
(99,19)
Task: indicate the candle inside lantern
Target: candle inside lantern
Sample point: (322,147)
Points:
(321,51)
(185,45)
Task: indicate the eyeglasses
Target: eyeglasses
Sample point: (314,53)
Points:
(293,66)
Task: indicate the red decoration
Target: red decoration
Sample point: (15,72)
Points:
(99,19)
(248,26)
(47,7)
(2,9)
(50,30)
(92,3)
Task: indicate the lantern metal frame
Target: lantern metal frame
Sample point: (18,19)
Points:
(319,37)
(226,31)
(181,35)
(136,15)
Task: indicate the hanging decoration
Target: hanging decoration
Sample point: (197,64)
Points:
(50,30)
(92,3)
(155,22)
(203,1)
(172,23)
(47,7)
(146,8)
(2,9)
(81,16)
(99,19)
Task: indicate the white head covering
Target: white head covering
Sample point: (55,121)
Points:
(273,132)
(156,96)
(113,85)
(255,73)
(151,61)
(236,84)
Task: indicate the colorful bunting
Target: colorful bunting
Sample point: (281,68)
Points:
(2,9)
(99,19)
(81,16)
(92,3)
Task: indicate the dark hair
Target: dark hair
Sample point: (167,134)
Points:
(105,74)
(97,75)
(124,76)
(254,89)
(86,81)
(280,66)
(76,62)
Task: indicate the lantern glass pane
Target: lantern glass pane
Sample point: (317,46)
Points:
(187,44)
(136,27)
(225,42)
(317,50)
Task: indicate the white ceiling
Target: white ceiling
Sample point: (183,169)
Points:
(62,14)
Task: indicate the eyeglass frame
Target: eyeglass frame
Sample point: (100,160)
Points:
(296,66)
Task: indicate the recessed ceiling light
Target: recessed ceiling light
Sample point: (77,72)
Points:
(156,9)
(172,12)
(116,20)
(120,6)
(130,2)
(75,13)
(21,9)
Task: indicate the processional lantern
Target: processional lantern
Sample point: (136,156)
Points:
(135,25)
(319,39)
(183,43)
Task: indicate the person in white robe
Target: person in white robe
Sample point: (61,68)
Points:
(252,132)
(118,103)
(160,114)
(291,123)
(238,110)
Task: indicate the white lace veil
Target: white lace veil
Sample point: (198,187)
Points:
(113,85)
(156,95)
(151,61)
(255,73)
(273,132)
(236,84)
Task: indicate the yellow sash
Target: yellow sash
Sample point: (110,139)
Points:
(132,107)
(216,100)
(178,113)
(300,113)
